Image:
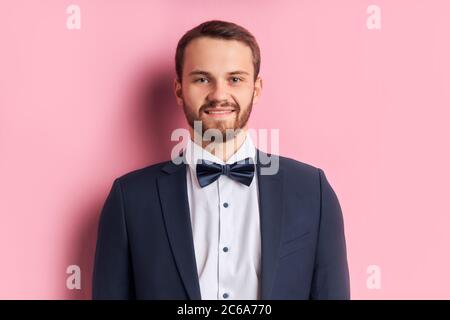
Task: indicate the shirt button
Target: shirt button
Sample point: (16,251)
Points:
(225,295)
(225,204)
(225,249)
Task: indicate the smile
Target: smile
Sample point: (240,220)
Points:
(219,113)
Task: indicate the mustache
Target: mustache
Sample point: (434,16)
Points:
(214,104)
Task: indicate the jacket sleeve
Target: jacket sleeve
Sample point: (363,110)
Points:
(112,274)
(331,276)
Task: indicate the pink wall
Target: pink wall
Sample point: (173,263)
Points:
(370,107)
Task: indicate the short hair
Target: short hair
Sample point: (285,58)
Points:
(219,30)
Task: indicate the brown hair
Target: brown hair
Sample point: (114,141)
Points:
(219,30)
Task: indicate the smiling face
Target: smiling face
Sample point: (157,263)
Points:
(218,86)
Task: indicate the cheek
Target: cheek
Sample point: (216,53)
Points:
(194,95)
(244,96)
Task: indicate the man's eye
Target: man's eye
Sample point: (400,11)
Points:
(201,80)
(236,79)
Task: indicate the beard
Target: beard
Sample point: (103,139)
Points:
(228,128)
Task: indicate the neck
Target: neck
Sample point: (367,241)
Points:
(223,150)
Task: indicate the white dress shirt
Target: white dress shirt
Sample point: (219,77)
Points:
(226,228)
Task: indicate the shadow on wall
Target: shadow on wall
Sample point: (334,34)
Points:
(151,110)
(157,112)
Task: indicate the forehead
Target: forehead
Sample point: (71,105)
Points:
(217,56)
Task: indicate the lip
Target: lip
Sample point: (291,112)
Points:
(219,112)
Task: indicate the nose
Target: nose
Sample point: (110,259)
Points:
(218,92)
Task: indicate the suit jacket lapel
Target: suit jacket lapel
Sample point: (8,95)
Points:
(175,207)
(270,210)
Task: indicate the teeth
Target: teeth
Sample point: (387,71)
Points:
(219,112)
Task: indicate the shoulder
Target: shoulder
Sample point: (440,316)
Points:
(291,165)
(143,177)
(304,176)
(300,174)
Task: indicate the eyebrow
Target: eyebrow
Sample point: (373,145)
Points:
(205,73)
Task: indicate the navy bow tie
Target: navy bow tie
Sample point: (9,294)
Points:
(241,171)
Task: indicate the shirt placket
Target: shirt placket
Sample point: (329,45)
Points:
(225,243)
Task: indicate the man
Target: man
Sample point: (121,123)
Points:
(215,225)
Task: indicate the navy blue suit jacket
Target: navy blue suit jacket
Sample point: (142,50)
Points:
(145,248)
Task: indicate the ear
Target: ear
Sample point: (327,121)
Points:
(177,90)
(258,89)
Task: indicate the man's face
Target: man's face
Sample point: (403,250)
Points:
(218,86)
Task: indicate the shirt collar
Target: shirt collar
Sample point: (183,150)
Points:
(194,153)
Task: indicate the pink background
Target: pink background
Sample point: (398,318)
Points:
(370,107)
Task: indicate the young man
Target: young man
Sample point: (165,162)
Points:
(212,223)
